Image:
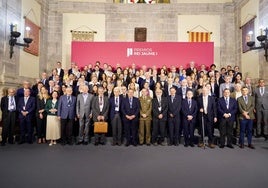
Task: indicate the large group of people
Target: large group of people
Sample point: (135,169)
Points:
(142,105)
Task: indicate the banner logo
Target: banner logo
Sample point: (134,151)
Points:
(141,52)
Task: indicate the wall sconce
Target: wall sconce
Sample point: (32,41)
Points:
(262,38)
(14,34)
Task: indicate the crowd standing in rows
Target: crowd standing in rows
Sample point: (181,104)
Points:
(143,105)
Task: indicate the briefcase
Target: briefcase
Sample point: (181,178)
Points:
(100,127)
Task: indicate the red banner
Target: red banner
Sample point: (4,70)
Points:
(143,53)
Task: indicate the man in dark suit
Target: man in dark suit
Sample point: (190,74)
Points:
(190,70)
(66,114)
(261,99)
(174,118)
(26,109)
(246,105)
(8,108)
(130,115)
(60,71)
(227,108)
(115,117)
(20,91)
(100,109)
(207,107)
(183,89)
(189,112)
(84,114)
(160,108)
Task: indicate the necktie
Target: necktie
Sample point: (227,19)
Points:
(246,99)
(130,102)
(116,102)
(25,100)
(189,103)
(69,100)
(100,102)
(12,101)
(262,91)
(227,102)
(172,99)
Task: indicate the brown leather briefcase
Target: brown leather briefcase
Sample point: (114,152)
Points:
(100,127)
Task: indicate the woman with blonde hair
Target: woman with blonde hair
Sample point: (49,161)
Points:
(41,114)
(53,123)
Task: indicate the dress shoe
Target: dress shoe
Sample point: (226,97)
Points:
(257,136)
(63,143)
(148,144)
(221,146)
(85,143)
(242,146)
(155,144)
(96,143)
(192,145)
(230,146)
(10,142)
(127,144)
(102,143)
(265,137)
(3,143)
(212,146)
(21,142)
(30,142)
(79,143)
(186,145)
(70,143)
(39,141)
(119,143)
(114,143)
(251,146)
(201,145)
(163,144)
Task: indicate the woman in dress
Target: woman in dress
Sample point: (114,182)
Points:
(41,101)
(53,123)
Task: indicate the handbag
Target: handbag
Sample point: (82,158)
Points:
(100,127)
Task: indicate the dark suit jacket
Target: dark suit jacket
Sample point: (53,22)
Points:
(164,108)
(20,92)
(211,108)
(126,110)
(186,111)
(175,107)
(4,105)
(65,111)
(222,108)
(96,108)
(30,107)
(179,91)
(40,104)
(112,106)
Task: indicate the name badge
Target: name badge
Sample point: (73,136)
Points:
(116,108)
(159,108)
(23,107)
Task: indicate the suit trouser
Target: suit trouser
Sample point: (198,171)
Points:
(226,129)
(173,127)
(188,131)
(8,127)
(246,125)
(262,117)
(117,128)
(26,128)
(158,127)
(41,126)
(83,129)
(131,131)
(66,130)
(208,126)
(147,125)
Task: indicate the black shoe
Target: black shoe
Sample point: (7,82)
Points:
(11,142)
(79,143)
(265,137)
(114,143)
(221,146)
(21,142)
(242,146)
(3,143)
(148,144)
(230,146)
(127,144)
(257,136)
(96,143)
(63,143)
(30,142)
(102,143)
(85,143)
(186,145)
(70,143)
(192,145)
(119,143)
(251,146)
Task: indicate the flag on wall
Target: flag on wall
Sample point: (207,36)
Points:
(32,31)
(199,36)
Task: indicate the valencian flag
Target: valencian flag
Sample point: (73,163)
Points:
(199,36)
